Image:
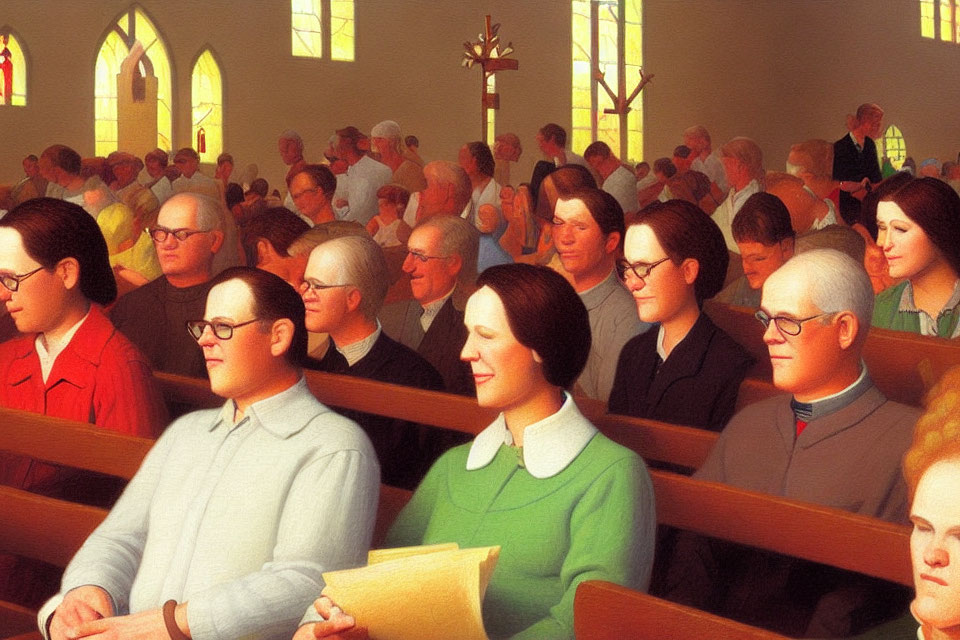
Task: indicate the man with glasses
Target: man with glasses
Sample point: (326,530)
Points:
(187,236)
(225,530)
(832,439)
(442,264)
(345,283)
(588,234)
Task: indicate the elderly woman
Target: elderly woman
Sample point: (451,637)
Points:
(918,226)
(565,503)
(688,372)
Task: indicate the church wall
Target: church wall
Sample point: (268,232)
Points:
(776,71)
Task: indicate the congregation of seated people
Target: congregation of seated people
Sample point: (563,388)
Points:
(589,282)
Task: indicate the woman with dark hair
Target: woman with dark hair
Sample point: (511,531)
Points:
(688,372)
(564,503)
(71,362)
(918,226)
(873,260)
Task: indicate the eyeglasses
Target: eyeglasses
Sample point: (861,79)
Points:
(159,234)
(422,257)
(222,330)
(789,326)
(12,281)
(298,195)
(640,269)
(315,286)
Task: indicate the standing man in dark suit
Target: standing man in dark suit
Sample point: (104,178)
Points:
(442,264)
(855,162)
(344,286)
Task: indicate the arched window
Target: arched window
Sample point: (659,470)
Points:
(13,70)
(133,25)
(894,146)
(322,25)
(940,16)
(206,95)
(607,34)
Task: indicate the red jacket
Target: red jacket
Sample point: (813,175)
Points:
(100,377)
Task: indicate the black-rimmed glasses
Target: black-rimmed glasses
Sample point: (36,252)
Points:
(639,269)
(222,330)
(788,326)
(12,281)
(159,234)
(317,287)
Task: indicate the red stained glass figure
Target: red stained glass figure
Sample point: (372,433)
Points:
(6,67)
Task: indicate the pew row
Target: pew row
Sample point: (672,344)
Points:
(606,611)
(684,446)
(903,365)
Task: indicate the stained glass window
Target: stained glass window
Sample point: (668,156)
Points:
(311,33)
(946,20)
(13,71)
(207,97)
(132,25)
(894,146)
(608,32)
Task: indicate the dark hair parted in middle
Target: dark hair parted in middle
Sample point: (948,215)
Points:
(763,218)
(685,231)
(277,225)
(603,208)
(546,315)
(54,229)
(935,207)
(481,153)
(322,178)
(273,299)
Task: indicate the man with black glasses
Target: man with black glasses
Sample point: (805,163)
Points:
(831,439)
(236,512)
(187,236)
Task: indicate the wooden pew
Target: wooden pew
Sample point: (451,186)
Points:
(606,611)
(903,365)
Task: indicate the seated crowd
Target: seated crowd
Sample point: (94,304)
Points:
(587,282)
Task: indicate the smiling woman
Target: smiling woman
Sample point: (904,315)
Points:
(918,226)
(565,503)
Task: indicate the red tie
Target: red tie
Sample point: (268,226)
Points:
(801,425)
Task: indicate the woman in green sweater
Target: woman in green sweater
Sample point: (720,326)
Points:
(918,226)
(565,503)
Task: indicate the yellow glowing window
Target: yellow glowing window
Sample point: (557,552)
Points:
(132,25)
(13,71)
(946,20)
(307,28)
(894,146)
(607,36)
(926,19)
(342,28)
(311,33)
(207,96)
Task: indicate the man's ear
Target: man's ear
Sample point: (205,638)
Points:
(281,336)
(612,242)
(264,251)
(849,326)
(788,246)
(216,240)
(455,263)
(354,298)
(536,357)
(69,271)
(690,269)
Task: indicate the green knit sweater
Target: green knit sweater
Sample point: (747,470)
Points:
(595,520)
(887,314)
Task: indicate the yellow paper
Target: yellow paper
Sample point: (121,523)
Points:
(417,593)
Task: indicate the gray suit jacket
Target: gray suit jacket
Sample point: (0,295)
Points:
(849,459)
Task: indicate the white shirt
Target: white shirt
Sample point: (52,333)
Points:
(713,168)
(431,310)
(358,186)
(488,194)
(827,220)
(549,446)
(48,350)
(240,520)
(728,209)
(355,351)
(197,183)
(622,185)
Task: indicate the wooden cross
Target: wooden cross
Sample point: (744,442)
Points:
(487,53)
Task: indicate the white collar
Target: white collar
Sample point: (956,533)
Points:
(549,446)
(48,351)
(356,351)
(432,309)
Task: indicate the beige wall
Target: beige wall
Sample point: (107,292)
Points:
(778,71)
